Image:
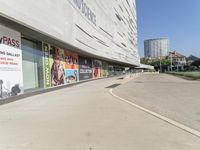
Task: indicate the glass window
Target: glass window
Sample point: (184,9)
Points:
(32,64)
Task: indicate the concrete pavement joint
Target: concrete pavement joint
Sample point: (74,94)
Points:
(170,121)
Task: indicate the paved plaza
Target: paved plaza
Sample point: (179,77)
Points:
(173,97)
(88,117)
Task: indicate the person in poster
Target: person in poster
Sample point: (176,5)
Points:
(57,69)
(71,76)
(97,67)
(71,67)
(96,72)
(71,60)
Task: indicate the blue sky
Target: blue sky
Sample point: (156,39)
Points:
(179,20)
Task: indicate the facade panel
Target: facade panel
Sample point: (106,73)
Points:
(105,28)
(54,43)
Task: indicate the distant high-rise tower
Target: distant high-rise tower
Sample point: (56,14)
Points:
(156,47)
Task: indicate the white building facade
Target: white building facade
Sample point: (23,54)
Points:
(90,38)
(154,48)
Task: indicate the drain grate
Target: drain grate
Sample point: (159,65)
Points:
(113,86)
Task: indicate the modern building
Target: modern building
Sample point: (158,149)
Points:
(54,43)
(154,48)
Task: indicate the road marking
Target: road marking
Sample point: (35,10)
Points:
(170,121)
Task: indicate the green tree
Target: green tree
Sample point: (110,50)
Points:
(196,63)
(146,61)
(165,63)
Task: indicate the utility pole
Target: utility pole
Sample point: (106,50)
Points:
(160,65)
(170,61)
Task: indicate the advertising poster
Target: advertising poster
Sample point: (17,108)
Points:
(57,66)
(60,66)
(71,75)
(105,69)
(53,66)
(97,67)
(47,70)
(71,67)
(85,68)
(11,75)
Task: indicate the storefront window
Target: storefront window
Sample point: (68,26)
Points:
(32,65)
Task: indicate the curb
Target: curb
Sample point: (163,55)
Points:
(170,121)
(42,91)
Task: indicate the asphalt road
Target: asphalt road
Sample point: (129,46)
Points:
(173,97)
(88,117)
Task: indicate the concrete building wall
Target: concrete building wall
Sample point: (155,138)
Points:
(104,28)
(156,47)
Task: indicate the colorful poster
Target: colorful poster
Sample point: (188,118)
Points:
(57,66)
(11,75)
(85,68)
(53,66)
(71,75)
(71,67)
(97,67)
(60,66)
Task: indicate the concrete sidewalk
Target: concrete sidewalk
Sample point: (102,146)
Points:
(174,97)
(86,117)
